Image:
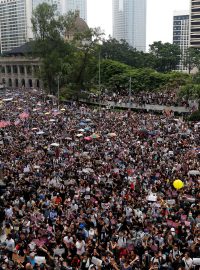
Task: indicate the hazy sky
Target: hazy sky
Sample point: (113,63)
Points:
(159,17)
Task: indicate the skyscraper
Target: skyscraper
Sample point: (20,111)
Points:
(129,22)
(80,5)
(195,23)
(181,35)
(15,23)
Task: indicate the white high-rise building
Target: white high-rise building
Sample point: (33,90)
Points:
(195,23)
(129,22)
(74,5)
(15,23)
(181,35)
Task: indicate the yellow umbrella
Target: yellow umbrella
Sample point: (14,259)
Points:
(178,184)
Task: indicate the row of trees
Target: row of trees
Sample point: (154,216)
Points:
(116,75)
(161,57)
(75,63)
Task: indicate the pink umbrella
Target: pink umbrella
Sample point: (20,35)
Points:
(4,124)
(88,139)
(24,115)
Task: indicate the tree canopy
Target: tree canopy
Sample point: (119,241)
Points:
(78,62)
(116,75)
(71,60)
(167,56)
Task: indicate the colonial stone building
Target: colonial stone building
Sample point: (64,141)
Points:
(18,69)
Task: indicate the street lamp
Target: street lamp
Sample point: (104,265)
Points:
(99,70)
(130,81)
(58,93)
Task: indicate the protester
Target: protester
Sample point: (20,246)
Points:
(166,98)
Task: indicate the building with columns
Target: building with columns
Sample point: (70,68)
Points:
(18,70)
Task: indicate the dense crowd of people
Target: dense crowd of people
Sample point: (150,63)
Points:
(168,98)
(92,189)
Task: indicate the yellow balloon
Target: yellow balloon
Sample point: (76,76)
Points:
(178,184)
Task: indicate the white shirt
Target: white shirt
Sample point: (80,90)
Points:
(9,212)
(91,232)
(121,242)
(188,263)
(68,240)
(10,244)
(80,247)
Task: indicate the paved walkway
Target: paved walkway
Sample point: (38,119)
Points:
(135,106)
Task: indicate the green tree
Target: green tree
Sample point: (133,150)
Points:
(121,51)
(83,60)
(167,56)
(49,43)
(192,58)
(116,76)
(73,60)
(190,91)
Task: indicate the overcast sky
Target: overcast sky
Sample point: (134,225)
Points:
(159,17)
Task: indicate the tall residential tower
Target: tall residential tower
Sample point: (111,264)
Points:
(195,23)
(129,22)
(181,35)
(15,23)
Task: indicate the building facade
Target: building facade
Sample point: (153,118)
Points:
(129,22)
(76,5)
(15,23)
(195,23)
(181,35)
(19,69)
(17,72)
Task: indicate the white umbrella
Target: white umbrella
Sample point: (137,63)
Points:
(87,170)
(40,132)
(81,130)
(55,144)
(194,172)
(7,99)
(52,120)
(79,135)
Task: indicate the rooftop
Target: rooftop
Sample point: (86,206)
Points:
(21,50)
